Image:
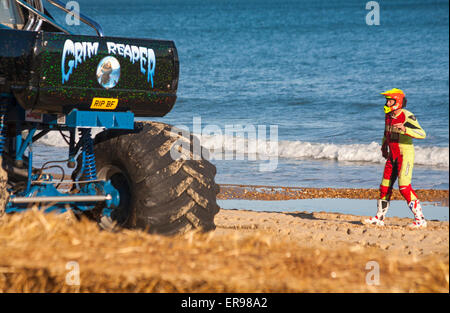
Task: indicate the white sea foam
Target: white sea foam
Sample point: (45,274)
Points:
(434,156)
(431,156)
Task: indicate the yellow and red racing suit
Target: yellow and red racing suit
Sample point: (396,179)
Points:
(398,147)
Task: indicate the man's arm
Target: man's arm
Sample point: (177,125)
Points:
(413,128)
(384,148)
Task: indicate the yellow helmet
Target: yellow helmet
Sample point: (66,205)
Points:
(394,94)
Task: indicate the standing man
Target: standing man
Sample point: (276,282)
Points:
(401,126)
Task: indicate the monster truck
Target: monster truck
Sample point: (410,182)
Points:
(132,174)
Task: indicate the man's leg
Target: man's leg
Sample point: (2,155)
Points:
(387,183)
(389,177)
(404,182)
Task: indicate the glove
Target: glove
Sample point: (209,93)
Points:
(385,151)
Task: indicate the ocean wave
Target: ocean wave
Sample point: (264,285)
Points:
(263,150)
(431,156)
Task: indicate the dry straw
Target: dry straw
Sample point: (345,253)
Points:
(35,249)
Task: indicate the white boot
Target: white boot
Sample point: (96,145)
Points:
(378,220)
(419,218)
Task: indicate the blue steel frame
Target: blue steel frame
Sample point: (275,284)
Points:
(44,185)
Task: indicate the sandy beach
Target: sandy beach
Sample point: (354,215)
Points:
(247,252)
(332,230)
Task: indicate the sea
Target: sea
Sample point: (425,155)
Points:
(309,73)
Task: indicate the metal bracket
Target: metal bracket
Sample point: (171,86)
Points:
(109,120)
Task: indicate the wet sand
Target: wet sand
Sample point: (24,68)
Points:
(254,192)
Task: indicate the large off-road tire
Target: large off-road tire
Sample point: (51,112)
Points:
(158,194)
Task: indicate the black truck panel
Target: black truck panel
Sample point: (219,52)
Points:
(55,73)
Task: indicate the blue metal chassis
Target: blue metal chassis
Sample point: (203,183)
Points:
(44,185)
